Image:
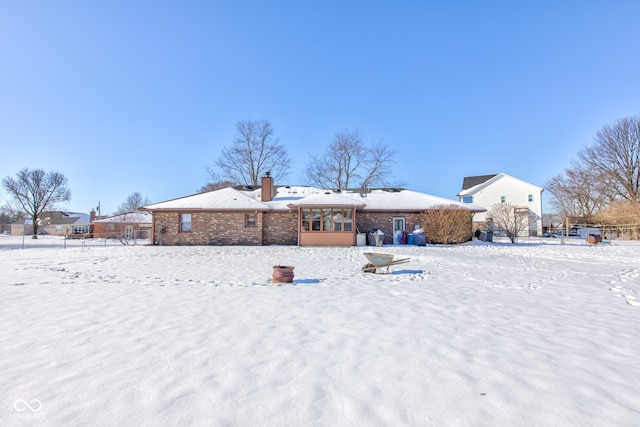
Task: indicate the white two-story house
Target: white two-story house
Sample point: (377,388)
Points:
(488,190)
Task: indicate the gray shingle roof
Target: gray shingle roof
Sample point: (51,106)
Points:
(472,181)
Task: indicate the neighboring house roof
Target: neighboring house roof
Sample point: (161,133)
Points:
(84,218)
(130,217)
(216,200)
(68,221)
(472,181)
(473,184)
(63,218)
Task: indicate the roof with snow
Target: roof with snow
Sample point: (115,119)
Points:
(64,218)
(289,197)
(328,198)
(224,199)
(406,200)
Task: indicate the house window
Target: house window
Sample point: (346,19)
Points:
(531,197)
(503,199)
(250,220)
(306,220)
(315,219)
(80,229)
(327,220)
(185,222)
(111,227)
(347,219)
(467,199)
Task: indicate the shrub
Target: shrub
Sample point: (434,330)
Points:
(447,225)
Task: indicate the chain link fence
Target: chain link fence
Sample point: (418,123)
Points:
(79,240)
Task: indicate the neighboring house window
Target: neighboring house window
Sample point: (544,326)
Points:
(58,229)
(531,197)
(503,199)
(185,222)
(79,229)
(250,220)
(327,220)
(111,227)
(467,199)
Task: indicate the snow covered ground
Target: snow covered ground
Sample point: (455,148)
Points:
(472,335)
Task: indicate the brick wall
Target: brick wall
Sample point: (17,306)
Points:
(366,221)
(272,228)
(280,228)
(208,228)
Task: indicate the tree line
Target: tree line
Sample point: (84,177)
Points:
(603,183)
(35,191)
(347,162)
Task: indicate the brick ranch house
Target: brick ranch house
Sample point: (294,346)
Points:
(289,215)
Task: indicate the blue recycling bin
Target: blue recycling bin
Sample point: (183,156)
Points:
(419,239)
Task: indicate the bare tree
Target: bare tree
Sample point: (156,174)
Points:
(510,219)
(211,186)
(214,181)
(36,191)
(348,162)
(133,202)
(254,151)
(379,161)
(7,217)
(615,155)
(552,220)
(580,192)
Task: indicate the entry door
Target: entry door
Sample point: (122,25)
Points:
(398,228)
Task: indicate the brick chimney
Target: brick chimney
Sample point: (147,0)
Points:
(92,216)
(266,192)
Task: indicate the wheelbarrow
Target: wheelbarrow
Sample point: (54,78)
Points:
(380,263)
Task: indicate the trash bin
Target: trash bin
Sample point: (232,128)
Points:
(419,237)
(361,239)
(410,239)
(486,236)
(376,237)
(379,238)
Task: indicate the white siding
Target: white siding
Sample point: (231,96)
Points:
(514,191)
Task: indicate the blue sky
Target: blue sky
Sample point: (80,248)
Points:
(125,96)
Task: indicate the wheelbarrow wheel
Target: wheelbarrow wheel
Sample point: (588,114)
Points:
(369,268)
